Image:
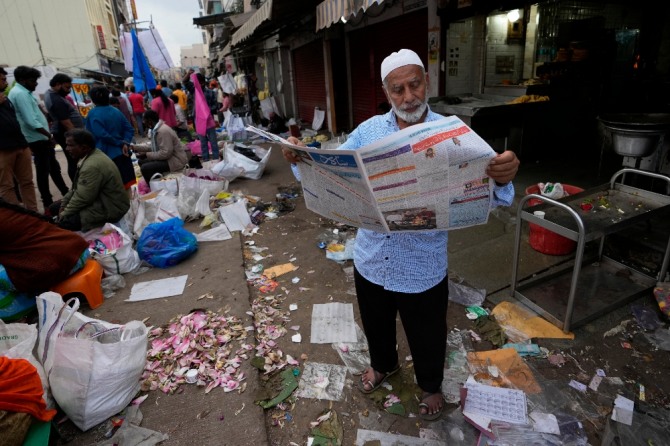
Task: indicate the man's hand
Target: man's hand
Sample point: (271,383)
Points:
(502,169)
(290,155)
(3,98)
(126,149)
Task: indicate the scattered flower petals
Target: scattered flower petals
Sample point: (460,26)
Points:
(391,399)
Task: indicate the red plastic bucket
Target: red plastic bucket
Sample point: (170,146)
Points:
(544,240)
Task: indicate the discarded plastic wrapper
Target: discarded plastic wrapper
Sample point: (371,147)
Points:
(279,270)
(520,323)
(525,349)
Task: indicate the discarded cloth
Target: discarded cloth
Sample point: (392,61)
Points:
(489,329)
(21,389)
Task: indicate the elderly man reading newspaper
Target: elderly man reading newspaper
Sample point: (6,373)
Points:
(405,272)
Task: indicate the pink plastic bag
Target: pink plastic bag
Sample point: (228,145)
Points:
(194,147)
(142,187)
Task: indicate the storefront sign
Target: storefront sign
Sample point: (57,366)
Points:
(101,37)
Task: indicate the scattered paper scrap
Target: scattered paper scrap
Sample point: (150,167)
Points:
(623,410)
(595,382)
(333,322)
(156,289)
(296,338)
(235,216)
(577,385)
(293,307)
(355,355)
(496,403)
(216,234)
(279,270)
(322,381)
(370,437)
(544,422)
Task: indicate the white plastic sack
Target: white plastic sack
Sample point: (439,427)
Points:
(228,170)
(252,169)
(227,115)
(202,179)
(18,341)
(121,260)
(94,367)
(159,183)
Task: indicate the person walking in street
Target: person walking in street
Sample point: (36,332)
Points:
(205,125)
(137,101)
(65,116)
(167,91)
(123,106)
(164,106)
(35,128)
(113,133)
(405,273)
(16,170)
(98,195)
(181,96)
(182,122)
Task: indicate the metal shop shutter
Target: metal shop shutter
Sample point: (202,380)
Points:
(370,45)
(310,79)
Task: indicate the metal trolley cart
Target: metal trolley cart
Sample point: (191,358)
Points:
(589,288)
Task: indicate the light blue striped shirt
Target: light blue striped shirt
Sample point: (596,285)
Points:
(405,262)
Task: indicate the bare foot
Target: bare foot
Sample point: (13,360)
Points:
(431,405)
(370,378)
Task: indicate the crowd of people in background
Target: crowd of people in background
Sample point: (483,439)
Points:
(153,124)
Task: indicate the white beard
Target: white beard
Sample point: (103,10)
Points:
(410,117)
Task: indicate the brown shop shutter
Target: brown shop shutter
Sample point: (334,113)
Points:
(310,79)
(370,45)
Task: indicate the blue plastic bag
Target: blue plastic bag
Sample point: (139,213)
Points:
(166,243)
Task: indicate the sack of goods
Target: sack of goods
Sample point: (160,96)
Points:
(158,183)
(94,367)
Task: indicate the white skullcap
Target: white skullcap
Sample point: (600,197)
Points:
(400,59)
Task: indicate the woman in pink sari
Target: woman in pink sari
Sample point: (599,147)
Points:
(205,125)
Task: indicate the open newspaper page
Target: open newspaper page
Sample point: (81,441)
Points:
(333,185)
(428,176)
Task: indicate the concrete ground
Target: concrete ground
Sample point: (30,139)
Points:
(480,255)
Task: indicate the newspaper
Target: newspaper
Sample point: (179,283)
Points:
(429,176)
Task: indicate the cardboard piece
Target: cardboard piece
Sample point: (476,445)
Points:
(521,320)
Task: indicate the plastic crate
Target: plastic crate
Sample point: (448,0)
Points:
(543,240)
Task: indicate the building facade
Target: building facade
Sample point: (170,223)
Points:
(194,56)
(70,35)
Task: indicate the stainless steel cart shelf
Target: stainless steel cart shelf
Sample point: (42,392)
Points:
(589,288)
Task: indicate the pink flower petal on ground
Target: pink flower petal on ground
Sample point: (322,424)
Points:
(139,400)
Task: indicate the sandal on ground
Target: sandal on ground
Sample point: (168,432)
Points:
(427,416)
(380,378)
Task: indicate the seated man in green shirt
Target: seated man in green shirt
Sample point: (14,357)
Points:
(97,195)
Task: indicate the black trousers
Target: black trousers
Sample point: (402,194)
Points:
(47,165)
(150,168)
(424,318)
